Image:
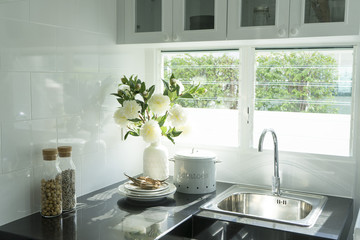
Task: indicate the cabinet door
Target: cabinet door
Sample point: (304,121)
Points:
(311,18)
(258,19)
(148,21)
(199,20)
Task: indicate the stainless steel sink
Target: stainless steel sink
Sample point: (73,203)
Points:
(291,207)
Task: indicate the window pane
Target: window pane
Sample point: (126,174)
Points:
(212,112)
(305,96)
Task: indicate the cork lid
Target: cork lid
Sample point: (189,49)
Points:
(49,154)
(64,151)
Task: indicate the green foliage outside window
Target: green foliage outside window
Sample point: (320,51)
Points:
(218,74)
(292,81)
(299,81)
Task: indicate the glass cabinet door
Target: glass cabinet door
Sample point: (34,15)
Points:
(324,18)
(321,11)
(148,21)
(249,19)
(199,20)
(258,13)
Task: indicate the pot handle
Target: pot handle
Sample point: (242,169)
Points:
(217,161)
(172,159)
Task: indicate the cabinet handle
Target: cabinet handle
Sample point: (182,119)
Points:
(294,31)
(166,37)
(176,37)
(282,32)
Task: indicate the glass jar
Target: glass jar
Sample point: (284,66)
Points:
(67,167)
(51,189)
(261,16)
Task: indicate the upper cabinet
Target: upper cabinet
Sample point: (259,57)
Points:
(156,21)
(149,21)
(257,19)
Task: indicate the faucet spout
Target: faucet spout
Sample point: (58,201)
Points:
(276,177)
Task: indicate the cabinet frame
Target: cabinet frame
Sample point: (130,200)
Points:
(298,27)
(218,33)
(279,30)
(131,36)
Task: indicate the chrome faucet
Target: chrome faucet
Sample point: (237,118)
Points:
(276,178)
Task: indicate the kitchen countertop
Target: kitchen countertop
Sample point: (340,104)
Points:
(105,214)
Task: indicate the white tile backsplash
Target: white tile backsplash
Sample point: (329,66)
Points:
(77,51)
(88,15)
(15,99)
(44,11)
(17,10)
(53,93)
(47,93)
(16,195)
(16,146)
(44,135)
(27,46)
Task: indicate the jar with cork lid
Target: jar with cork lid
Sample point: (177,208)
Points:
(67,167)
(51,185)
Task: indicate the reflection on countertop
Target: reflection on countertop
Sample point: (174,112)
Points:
(105,214)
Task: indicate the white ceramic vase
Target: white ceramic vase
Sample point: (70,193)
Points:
(156,161)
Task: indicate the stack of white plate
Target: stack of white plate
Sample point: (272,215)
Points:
(136,193)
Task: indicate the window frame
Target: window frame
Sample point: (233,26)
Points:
(246,109)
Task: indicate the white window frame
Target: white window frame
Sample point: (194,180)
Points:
(247,103)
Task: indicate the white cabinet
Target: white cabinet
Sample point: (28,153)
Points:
(150,21)
(262,19)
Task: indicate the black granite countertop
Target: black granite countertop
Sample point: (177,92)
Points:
(105,214)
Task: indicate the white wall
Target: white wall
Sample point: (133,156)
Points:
(58,65)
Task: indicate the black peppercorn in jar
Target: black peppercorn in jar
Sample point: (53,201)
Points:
(67,168)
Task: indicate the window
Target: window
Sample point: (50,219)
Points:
(305,95)
(214,115)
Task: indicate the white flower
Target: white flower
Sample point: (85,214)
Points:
(132,109)
(159,103)
(150,131)
(178,82)
(120,118)
(181,87)
(124,88)
(185,130)
(177,116)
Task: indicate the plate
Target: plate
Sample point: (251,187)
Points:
(129,186)
(145,197)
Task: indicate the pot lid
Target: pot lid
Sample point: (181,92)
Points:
(195,154)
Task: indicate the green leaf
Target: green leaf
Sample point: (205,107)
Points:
(135,120)
(163,130)
(201,90)
(135,134)
(170,138)
(186,95)
(143,87)
(175,133)
(120,100)
(177,88)
(126,135)
(151,91)
(162,120)
(166,84)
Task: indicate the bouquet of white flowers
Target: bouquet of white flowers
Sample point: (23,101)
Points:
(152,115)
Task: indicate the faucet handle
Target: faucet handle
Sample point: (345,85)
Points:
(276,185)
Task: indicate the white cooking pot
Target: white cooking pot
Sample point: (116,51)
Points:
(194,171)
